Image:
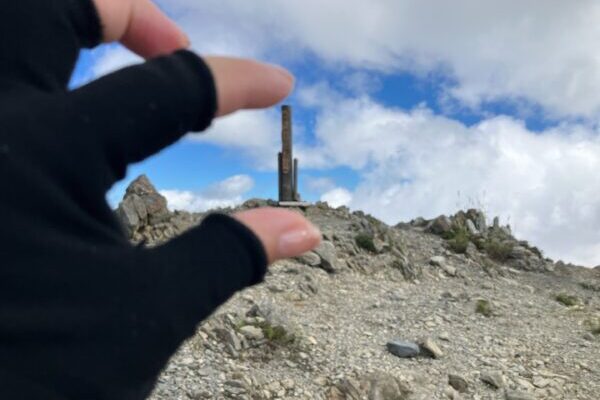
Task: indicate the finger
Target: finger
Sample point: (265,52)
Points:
(137,111)
(248,84)
(151,33)
(283,233)
(140,26)
(40,41)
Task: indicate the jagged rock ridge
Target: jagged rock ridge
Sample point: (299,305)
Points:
(488,315)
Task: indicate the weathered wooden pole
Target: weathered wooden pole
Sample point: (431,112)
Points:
(286,170)
(279,170)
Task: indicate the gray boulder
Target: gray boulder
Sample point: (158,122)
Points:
(142,205)
(472,229)
(440,225)
(328,254)
(310,258)
(132,212)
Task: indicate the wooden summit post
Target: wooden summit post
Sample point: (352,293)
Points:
(287,164)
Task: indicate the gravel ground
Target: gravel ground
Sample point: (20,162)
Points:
(310,334)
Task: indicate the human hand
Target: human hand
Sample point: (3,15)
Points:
(85,314)
(144,29)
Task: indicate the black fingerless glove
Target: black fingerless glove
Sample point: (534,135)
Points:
(83,314)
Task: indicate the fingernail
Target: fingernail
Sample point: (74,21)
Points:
(299,241)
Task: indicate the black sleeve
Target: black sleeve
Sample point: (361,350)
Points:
(40,40)
(83,314)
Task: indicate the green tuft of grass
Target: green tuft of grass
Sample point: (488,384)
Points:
(483,307)
(567,300)
(593,324)
(365,241)
(498,250)
(593,286)
(480,244)
(459,240)
(276,334)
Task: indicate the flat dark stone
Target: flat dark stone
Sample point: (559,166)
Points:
(403,349)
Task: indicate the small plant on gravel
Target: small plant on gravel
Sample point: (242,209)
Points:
(449,235)
(365,241)
(593,286)
(458,239)
(480,243)
(276,334)
(593,324)
(483,307)
(567,300)
(498,250)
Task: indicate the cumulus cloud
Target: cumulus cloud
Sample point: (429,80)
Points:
(525,50)
(415,163)
(319,185)
(227,193)
(337,197)
(254,133)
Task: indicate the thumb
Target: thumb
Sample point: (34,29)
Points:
(283,233)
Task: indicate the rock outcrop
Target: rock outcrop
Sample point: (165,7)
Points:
(142,205)
(145,216)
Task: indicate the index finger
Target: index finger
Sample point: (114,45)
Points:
(141,26)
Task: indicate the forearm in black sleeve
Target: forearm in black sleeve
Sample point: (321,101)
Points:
(83,313)
(141,109)
(40,41)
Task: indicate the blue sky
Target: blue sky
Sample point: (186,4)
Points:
(192,166)
(404,109)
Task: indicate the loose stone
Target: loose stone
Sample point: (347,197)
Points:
(493,378)
(458,382)
(516,395)
(403,349)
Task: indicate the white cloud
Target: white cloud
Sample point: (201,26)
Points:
(337,197)
(227,193)
(321,184)
(256,134)
(543,52)
(414,163)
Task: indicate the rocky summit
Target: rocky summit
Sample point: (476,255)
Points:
(449,308)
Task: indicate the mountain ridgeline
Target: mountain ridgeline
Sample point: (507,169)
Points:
(449,308)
